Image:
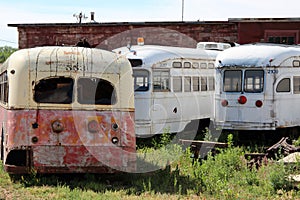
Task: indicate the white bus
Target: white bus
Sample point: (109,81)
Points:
(258,87)
(173,86)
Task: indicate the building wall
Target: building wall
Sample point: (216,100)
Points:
(185,34)
(113,35)
(251,31)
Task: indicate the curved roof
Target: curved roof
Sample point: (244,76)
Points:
(151,54)
(258,55)
(62,58)
(27,66)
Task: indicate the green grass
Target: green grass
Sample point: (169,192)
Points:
(224,176)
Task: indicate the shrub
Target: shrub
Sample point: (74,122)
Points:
(5,52)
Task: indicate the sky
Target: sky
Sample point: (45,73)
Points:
(62,11)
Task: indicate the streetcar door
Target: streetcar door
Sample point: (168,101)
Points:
(165,108)
(142,101)
(286,98)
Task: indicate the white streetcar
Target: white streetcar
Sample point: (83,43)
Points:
(258,87)
(173,86)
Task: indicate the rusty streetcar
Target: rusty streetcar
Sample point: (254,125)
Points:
(67,110)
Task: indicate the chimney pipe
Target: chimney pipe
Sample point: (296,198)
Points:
(93,16)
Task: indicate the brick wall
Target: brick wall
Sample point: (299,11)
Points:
(260,30)
(113,35)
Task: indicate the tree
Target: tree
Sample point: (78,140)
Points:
(5,52)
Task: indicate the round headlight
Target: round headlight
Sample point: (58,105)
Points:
(57,126)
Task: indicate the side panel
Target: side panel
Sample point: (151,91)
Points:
(143,105)
(286,103)
(173,111)
(166,113)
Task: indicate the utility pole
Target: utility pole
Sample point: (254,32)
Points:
(182,10)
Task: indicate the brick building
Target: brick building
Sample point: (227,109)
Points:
(187,34)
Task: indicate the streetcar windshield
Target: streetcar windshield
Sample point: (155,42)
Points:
(252,81)
(141,80)
(232,81)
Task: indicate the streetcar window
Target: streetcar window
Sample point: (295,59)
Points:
(211,83)
(283,85)
(135,62)
(203,65)
(187,84)
(54,90)
(296,63)
(3,88)
(211,65)
(196,84)
(254,81)
(141,80)
(177,64)
(177,84)
(187,65)
(232,81)
(161,81)
(296,80)
(96,91)
(195,65)
(203,83)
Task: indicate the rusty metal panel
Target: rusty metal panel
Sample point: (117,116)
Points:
(60,141)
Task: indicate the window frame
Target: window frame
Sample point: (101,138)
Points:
(240,79)
(195,83)
(67,88)
(279,35)
(289,85)
(261,83)
(187,83)
(177,79)
(146,80)
(294,85)
(4,87)
(203,83)
(211,83)
(161,81)
(100,98)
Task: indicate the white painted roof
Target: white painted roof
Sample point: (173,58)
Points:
(59,58)
(151,54)
(31,65)
(257,55)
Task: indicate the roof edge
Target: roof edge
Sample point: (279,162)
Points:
(291,19)
(118,23)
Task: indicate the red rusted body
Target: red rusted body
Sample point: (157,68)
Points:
(33,144)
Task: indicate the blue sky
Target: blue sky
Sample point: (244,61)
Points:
(54,11)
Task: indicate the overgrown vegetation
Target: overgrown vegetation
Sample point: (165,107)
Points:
(5,52)
(223,176)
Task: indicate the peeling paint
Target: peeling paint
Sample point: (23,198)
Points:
(75,146)
(54,136)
